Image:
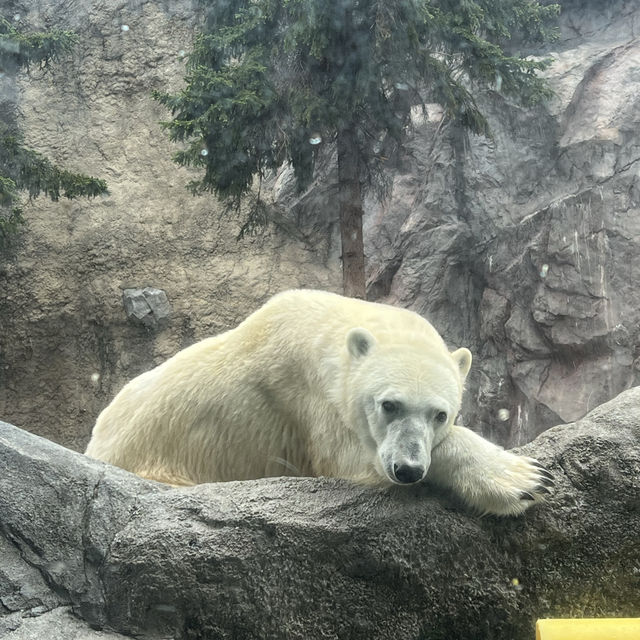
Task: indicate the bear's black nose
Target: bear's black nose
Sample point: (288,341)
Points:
(407,474)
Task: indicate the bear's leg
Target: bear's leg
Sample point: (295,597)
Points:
(166,477)
(485,476)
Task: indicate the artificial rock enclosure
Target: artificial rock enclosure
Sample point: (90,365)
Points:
(524,249)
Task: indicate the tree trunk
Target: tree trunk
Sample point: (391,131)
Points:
(350,207)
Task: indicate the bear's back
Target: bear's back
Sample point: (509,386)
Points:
(331,313)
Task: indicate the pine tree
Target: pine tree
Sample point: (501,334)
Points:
(23,169)
(273,81)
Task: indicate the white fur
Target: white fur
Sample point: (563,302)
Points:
(313,383)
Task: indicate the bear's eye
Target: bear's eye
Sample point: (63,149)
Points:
(441,417)
(389,407)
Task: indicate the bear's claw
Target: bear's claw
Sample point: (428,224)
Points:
(532,483)
(547,481)
(543,472)
(544,483)
(542,489)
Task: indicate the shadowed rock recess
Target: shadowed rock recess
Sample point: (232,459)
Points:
(86,546)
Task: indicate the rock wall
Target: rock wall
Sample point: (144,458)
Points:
(524,248)
(66,345)
(527,248)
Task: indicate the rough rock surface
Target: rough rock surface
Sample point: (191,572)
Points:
(317,558)
(66,345)
(57,624)
(527,249)
(524,249)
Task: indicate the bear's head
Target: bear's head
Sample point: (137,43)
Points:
(405,392)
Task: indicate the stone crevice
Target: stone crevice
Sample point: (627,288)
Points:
(19,540)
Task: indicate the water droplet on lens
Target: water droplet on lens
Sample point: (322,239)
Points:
(504,414)
(515,583)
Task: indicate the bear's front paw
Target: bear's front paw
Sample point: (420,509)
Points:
(515,483)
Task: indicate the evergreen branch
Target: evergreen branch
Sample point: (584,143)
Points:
(30,171)
(266,76)
(21,168)
(19,50)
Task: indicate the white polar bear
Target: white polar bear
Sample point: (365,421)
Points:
(314,383)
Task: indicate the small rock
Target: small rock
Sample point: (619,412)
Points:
(148,307)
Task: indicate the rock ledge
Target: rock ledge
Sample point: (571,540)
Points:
(302,557)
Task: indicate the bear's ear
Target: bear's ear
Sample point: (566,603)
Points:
(462,358)
(359,342)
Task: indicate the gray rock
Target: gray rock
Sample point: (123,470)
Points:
(158,302)
(57,624)
(148,307)
(304,558)
(135,305)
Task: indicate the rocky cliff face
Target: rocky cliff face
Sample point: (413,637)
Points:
(524,248)
(66,345)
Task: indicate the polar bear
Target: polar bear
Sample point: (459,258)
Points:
(317,384)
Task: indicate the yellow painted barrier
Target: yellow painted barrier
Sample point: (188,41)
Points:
(588,629)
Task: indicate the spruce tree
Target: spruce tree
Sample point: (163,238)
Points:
(23,170)
(274,81)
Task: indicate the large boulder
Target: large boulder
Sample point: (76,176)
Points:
(317,558)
